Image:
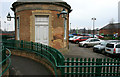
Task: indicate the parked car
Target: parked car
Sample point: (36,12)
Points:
(100,37)
(72,38)
(79,39)
(90,42)
(95,36)
(113,47)
(101,47)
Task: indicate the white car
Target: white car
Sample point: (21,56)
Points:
(101,47)
(113,47)
(90,42)
(92,36)
(75,37)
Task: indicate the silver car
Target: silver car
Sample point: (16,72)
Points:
(90,42)
(113,47)
(100,48)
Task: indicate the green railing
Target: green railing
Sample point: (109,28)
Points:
(70,67)
(91,67)
(51,54)
(5,59)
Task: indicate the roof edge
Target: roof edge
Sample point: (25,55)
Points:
(63,4)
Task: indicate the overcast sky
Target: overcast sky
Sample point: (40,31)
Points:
(83,11)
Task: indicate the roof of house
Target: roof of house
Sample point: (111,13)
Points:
(55,2)
(40,1)
(111,26)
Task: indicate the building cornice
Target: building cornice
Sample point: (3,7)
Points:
(62,4)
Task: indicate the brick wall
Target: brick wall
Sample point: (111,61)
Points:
(109,31)
(56,25)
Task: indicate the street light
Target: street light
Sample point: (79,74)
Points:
(70,27)
(0,22)
(93,24)
(63,13)
(9,17)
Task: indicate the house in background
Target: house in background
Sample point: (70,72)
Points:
(41,21)
(111,29)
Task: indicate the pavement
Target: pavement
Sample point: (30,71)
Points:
(24,66)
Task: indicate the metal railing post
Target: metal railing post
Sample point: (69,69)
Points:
(21,44)
(98,69)
(31,45)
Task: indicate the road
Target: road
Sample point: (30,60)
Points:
(24,66)
(81,52)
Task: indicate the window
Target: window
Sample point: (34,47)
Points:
(92,40)
(83,38)
(110,45)
(18,30)
(96,40)
(118,46)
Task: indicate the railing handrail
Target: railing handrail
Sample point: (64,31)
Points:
(56,57)
(7,58)
(52,49)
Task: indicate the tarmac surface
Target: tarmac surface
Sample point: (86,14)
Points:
(24,66)
(81,52)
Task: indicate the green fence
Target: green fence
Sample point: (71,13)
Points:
(70,67)
(90,67)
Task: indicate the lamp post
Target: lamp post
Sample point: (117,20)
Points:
(64,15)
(70,27)
(93,24)
(0,22)
(9,17)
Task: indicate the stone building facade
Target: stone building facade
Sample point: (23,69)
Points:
(37,21)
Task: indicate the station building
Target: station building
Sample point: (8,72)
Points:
(42,21)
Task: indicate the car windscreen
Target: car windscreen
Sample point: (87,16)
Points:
(76,37)
(118,46)
(110,45)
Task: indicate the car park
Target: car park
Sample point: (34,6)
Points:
(79,39)
(90,42)
(113,48)
(101,47)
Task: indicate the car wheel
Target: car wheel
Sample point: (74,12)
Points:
(103,51)
(77,42)
(85,45)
